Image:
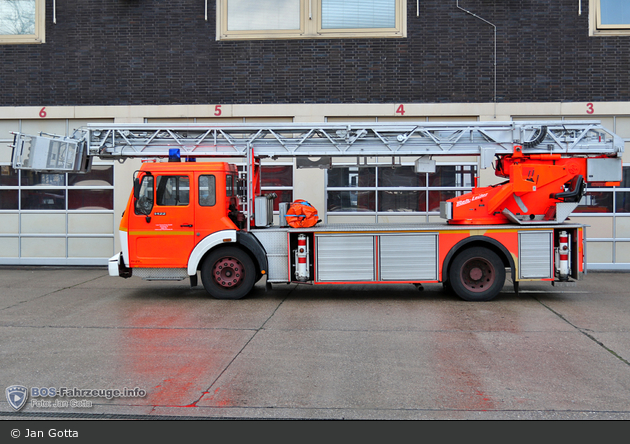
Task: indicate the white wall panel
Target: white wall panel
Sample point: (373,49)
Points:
(9,223)
(90,247)
(43,247)
(43,223)
(599,252)
(10,247)
(90,223)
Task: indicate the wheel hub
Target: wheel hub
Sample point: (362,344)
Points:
(478,274)
(228,272)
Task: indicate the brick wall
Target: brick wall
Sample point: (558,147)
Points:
(117,52)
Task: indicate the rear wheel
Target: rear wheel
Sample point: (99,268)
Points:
(228,273)
(477,274)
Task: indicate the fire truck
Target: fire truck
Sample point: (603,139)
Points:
(194,213)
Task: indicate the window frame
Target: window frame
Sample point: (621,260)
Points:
(266,189)
(63,184)
(211,199)
(585,207)
(597,29)
(160,190)
(377,188)
(311,25)
(40,29)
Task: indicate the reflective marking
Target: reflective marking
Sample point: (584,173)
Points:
(161,233)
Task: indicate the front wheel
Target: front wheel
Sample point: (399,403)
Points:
(228,273)
(477,274)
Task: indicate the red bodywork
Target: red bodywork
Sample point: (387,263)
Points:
(166,237)
(534,182)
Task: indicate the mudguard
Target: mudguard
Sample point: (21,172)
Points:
(253,245)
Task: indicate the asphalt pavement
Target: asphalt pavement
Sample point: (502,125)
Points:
(113,348)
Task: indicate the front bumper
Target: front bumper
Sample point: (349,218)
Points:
(116,267)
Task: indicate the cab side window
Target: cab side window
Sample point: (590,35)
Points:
(229,185)
(172,191)
(144,202)
(207,191)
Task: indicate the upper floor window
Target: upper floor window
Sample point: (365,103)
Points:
(609,17)
(272,19)
(22,21)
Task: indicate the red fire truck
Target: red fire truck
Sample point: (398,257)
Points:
(187,219)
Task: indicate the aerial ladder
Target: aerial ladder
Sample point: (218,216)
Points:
(534,156)
(546,166)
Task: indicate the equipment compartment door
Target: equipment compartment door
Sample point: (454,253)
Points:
(345,258)
(408,257)
(535,250)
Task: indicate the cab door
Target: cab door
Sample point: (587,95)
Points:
(213,209)
(161,230)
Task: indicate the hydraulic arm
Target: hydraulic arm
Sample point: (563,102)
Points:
(542,188)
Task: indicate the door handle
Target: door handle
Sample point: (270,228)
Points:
(186,226)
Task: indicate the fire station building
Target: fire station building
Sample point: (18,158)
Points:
(66,64)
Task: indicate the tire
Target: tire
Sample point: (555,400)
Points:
(228,273)
(477,274)
(446,286)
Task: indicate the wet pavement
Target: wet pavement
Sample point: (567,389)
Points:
(312,352)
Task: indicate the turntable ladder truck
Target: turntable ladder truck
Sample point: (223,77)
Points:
(187,218)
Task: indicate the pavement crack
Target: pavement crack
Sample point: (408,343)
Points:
(256,331)
(52,292)
(585,331)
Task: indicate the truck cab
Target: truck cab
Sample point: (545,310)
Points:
(175,206)
(178,215)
